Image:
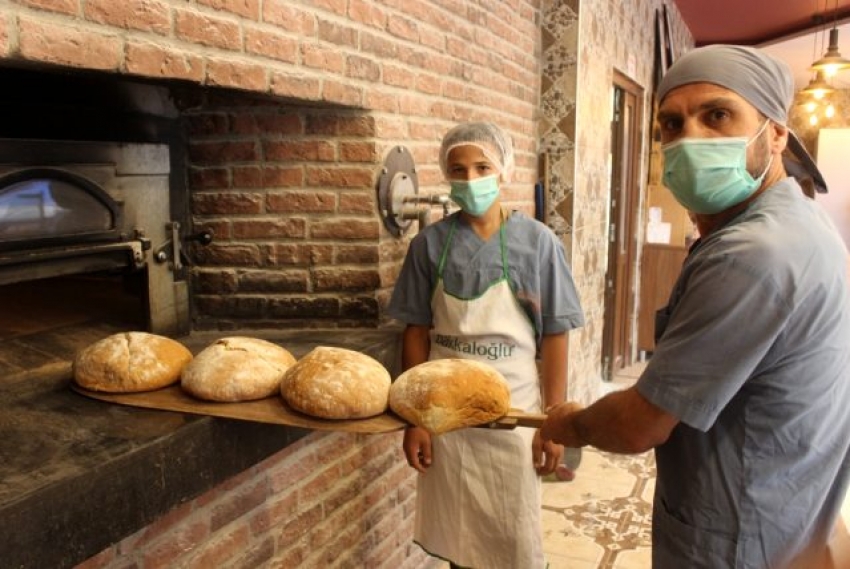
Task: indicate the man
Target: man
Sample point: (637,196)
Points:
(746,399)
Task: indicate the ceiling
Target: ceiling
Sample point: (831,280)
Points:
(796,31)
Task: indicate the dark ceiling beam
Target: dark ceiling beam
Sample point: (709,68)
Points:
(816,24)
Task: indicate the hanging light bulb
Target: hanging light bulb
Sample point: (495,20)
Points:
(811,106)
(831,62)
(818,87)
(830,111)
(813,119)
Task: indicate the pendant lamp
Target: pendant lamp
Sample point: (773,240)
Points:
(818,87)
(831,62)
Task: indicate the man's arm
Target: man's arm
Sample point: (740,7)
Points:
(623,421)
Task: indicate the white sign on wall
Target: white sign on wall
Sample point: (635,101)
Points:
(832,162)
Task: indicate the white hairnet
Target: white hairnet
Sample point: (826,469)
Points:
(495,143)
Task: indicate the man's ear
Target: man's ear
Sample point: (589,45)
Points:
(778,137)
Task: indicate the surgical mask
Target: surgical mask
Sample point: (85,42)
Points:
(709,175)
(475,196)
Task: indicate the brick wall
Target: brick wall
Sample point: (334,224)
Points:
(289,184)
(288,109)
(327,501)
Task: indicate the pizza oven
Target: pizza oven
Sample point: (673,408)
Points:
(86,226)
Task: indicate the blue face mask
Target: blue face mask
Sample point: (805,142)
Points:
(475,196)
(709,175)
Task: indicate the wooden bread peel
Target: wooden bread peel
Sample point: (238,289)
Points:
(274,410)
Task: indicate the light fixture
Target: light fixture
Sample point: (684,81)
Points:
(818,87)
(831,62)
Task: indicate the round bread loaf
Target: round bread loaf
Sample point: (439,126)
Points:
(336,383)
(236,369)
(130,362)
(449,394)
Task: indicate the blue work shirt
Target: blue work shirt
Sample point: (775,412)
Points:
(753,357)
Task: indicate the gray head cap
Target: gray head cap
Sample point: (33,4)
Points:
(762,80)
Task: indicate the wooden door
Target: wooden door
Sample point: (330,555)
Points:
(620,282)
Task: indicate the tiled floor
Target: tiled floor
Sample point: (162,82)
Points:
(602,519)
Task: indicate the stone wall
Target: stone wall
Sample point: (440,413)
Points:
(584,42)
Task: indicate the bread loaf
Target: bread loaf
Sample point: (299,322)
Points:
(336,383)
(130,362)
(449,394)
(236,369)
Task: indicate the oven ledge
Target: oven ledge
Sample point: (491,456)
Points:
(80,474)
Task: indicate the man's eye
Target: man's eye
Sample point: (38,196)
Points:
(718,115)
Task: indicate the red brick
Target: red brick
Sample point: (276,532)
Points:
(283,177)
(209,178)
(363,68)
(380,101)
(338,34)
(284,124)
(64,45)
(223,254)
(145,15)
(300,525)
(300,151)
(275,511)
(339,177)
(398,76)
(403,27)
(359,309)
(215,282)
(273,282)
(237,74)
(292,254)
(61,6)
(345,229)
(246,8)
(228,203)
(203,29)
(357,202)
(284,15)
(324,58)
(359,125)
(218,153)
(238,501)
(295,86)
(357,254)
(429,84)
(220,548)
(301,202)
(325,280)
(367,13)
(381,46)
(153,60)
(269,228)
(335,6)
(271,44)
(309,309)
(358,152)
(415,105)
(163,553)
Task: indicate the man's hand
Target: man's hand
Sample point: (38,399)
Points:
(417,448)
(546,455)
(559,425)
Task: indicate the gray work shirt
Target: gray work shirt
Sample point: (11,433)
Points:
(538,272)
(753,357)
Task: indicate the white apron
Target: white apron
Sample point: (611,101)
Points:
(478,505)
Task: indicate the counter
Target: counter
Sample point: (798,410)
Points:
(80,474)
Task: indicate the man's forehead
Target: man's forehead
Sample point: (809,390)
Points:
(701,95)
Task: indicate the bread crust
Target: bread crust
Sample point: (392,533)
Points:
(236,368)
(449,394)
(337,383)
(130,362)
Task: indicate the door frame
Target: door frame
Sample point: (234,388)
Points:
(621,288)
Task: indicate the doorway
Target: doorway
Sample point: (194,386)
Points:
(623,216)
